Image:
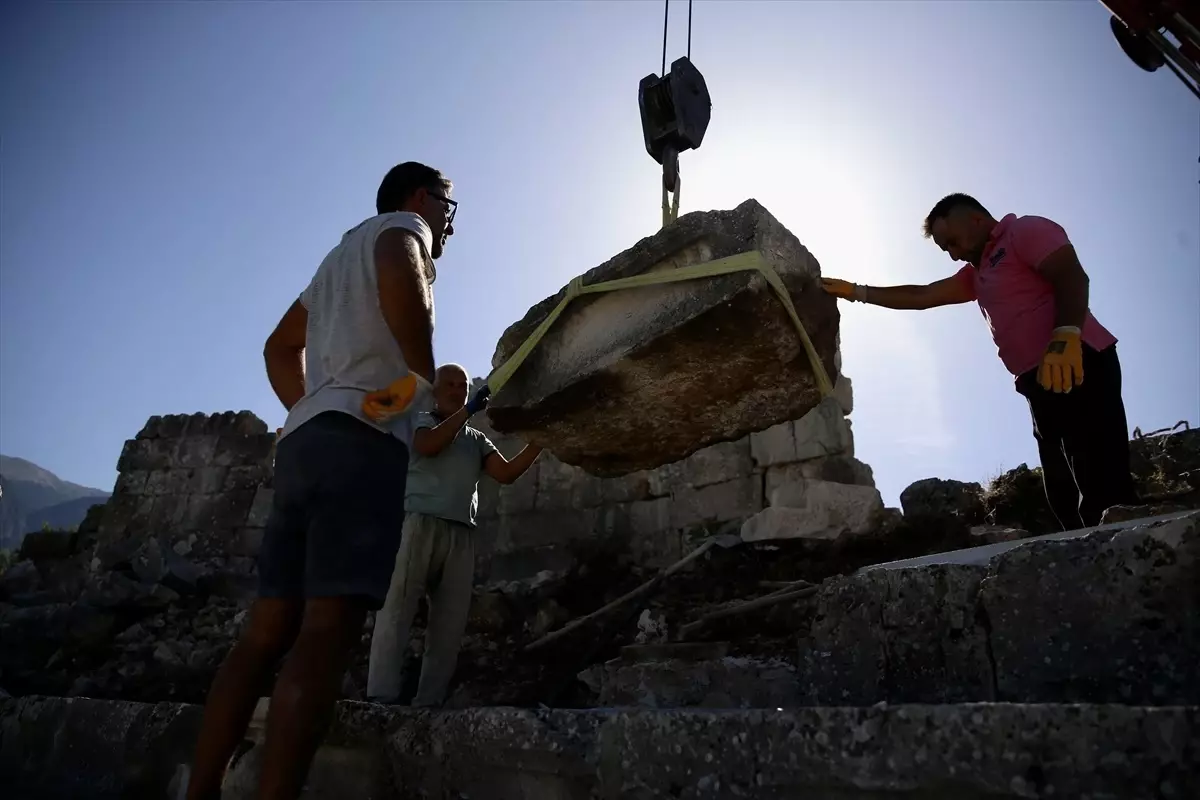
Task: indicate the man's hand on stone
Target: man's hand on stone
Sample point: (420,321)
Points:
(844,289)
(479,401)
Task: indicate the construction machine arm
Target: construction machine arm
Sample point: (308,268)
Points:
(1143,29)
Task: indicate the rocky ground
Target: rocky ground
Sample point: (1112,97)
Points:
(154,624)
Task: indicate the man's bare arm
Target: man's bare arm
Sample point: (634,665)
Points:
(1070,282)
(501,470)
(431,441)
(404,297)
(284,355)
(946,292)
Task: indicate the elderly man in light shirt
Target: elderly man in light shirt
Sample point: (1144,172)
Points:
(437,550)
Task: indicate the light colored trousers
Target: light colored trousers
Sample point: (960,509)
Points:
(436,557)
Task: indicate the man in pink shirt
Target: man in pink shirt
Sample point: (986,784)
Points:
(1033,292)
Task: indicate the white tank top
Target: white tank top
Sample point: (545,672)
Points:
(349,349)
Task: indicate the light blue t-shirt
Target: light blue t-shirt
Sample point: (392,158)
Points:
(446,485)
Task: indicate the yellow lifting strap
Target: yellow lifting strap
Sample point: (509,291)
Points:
(671,212)
(742,262)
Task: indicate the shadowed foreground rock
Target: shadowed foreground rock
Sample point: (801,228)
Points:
(1113,617)
(49,749)
(638,378)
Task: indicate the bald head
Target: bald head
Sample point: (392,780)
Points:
(450,383)
(449,372)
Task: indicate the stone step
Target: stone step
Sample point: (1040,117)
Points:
(1112,616)
(713,683)
(984,554)
(1108,616)
(94,749)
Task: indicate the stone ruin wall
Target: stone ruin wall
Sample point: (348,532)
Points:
(653,517)
(201,485)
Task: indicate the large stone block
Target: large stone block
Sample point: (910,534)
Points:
(235,449)
(835,469)
(168,482)
(901,636)
(812,509)
(78,747)
(934,499)
(843,390)
(714,464)
(1112,617)
(824,431)
(775,445)
(170,426)
(146,454)
(218,512)
(721,502)
(198,451)
(638,378)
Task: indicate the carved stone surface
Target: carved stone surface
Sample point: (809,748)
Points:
(638,378)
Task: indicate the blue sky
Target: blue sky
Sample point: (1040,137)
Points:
(172,173)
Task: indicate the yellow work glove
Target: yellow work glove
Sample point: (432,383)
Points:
(384,404)
(1062,363)
(844,289)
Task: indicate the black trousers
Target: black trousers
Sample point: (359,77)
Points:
(1083,441)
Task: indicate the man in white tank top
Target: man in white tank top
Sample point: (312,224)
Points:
(364,321)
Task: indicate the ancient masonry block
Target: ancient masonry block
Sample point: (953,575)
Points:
(835,469)
(1111,617)
(809,509)
(635,379)
(720,502)
(193,480)
(905,635)
(952,750)
(717,463)
(824,431)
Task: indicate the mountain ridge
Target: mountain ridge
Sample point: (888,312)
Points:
(32,496)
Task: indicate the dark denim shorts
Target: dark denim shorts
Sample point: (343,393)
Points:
(334,527)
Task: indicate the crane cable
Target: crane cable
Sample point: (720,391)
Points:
(670,199)
(666,16)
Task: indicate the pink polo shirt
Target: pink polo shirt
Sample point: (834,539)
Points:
(1016,301)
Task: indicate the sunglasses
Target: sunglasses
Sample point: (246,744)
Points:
(451,207)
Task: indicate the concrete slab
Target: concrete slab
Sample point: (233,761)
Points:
(94,749)
(983,555)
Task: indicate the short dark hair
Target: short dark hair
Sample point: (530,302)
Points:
(949,203)
(403,180)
